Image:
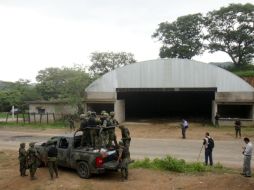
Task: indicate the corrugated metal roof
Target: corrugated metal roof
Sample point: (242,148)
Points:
(170,73)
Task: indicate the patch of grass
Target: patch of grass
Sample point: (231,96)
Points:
(177,165)
(3,115)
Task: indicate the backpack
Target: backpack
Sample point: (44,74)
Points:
(210,143)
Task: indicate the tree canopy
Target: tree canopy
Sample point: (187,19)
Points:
(231,30)
(181,38)
(103,62)
(64,83)
(17,94)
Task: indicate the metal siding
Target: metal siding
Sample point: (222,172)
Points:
(170,73)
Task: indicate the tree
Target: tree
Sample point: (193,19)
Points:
(231,30)
(17,94)
(64,84)
(103,62)
(181,38)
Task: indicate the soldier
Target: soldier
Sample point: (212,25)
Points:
(22,159)
(111,132)
(83,127)
(92,124)
(123,160)
(32,156)
(52,158)
(104,132)
(237,128)
(125,135)
(126,138)
(71,122)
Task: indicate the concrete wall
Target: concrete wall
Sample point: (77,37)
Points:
(57,109)
(119,108)
(234,97)
(97,96)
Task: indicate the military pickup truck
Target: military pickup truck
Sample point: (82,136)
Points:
(86,160)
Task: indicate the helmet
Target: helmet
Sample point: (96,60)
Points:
(22,145)
(105,115)
(121,126)
(31,144)
(82,116)
(112,113)
(120,143)
(88,113)
(93,114)
(102,112)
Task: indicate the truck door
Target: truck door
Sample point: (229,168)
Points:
(63,152)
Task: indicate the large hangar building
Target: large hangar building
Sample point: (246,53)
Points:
(171,88)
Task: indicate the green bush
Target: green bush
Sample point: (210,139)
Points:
(172,164)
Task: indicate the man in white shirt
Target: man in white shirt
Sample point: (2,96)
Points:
(185,126)
(247,152)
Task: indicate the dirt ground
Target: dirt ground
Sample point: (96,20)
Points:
(138,178)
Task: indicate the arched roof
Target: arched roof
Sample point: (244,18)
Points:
(170,73)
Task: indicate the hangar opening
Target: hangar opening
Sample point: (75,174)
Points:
(167,103)
(235,111)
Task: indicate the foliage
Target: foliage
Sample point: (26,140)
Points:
(172,164)
(231,30)
(181,38)
(246,70)
(16,94)
(64,83)
(103,62)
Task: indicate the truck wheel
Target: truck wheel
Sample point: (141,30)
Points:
(83,170)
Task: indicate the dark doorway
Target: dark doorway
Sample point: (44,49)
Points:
(167,104)
(235,111)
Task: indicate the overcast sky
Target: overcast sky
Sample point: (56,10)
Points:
(36,34)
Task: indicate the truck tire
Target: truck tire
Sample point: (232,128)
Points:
(83,170)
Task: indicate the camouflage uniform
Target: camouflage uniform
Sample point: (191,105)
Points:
(123,160)
(92,123)
(104,133)
(126,138)
(111,132)
(52,158)
(32,156)
(71,122)
(22,159)
(85,140)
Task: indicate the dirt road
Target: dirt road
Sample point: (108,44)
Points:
(148,140)
(227,152)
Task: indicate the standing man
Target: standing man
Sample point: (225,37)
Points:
(22,159)
(123,160)
(71,122)
(209,145)
(126,139)
(237,128)
(247,152)
(32,156)
(217,117)
(52,159)
(185,126)
(113,124)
